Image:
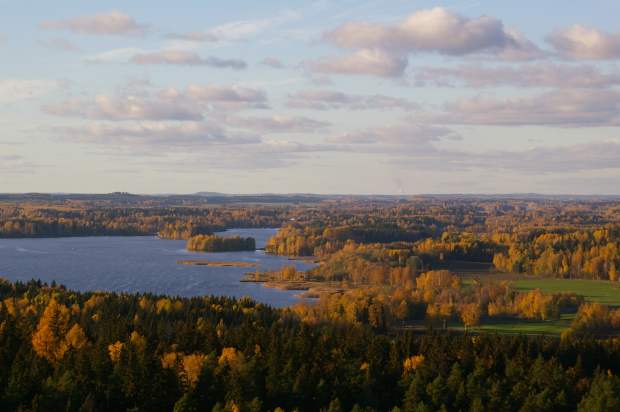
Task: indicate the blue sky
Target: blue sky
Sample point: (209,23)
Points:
(310,96)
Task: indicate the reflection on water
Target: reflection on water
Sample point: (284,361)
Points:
(141,264)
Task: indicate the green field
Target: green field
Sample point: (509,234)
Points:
(604,292)
(507,327)
(599,291)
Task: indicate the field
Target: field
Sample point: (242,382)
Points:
(599,291)
(604,292)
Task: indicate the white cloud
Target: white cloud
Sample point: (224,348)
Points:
(575,158)
(330,100)
(278,124)
(12,90)
(530,75)
(237,30)
(126,108)
(113,56)
(435,30)
(563,108)
(363,62)
(579,42)
(183,57)
(405,135)
(166,104)
(108,23)
(227,96)
(150,134)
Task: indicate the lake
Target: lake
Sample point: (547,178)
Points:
(142,264)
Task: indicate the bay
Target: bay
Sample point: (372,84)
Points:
(142,264)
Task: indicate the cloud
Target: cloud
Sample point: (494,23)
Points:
(229,97)
(125,108)
(13,90)
(236,30)
(161,134)
(578,158)
(562,108)
(15,165)
(113,56)
(435,30)
(406,135)
(272,62)
(426,147)
(278,124)
(370,62)
(108,23)
(166,104)
(579,42)
(575,158)
(58,43)
(186,58)
(331,100)
(534,75)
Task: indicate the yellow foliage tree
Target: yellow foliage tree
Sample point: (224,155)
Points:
(470,314)
(115,350)
(191,367)
(76,338)
(232,357)
(48,339)
(413,362)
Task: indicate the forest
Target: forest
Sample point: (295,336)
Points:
(396,316)
(212,243)
(64,350)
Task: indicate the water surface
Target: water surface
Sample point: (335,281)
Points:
(141,264)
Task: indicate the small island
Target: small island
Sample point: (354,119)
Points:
(213,243)
(201,262)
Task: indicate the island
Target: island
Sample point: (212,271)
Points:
(214,243)
(202,262)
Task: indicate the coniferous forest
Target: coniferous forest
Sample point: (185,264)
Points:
(63,350)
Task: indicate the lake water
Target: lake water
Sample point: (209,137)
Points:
(142,264)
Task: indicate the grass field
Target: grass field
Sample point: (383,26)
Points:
(599,291)
(525,327)
(604,292)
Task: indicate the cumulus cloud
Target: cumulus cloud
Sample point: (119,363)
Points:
(107,23)
(182,57)
(534,75)
(125,108)
(579,42)
(166,104)
(12,90)
(330,100)
(229,97)
(278,124)
(434,30)
(563,108)
(371,62)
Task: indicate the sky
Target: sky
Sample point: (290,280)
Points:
(347,97)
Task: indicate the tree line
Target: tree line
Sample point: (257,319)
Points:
(212,243)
